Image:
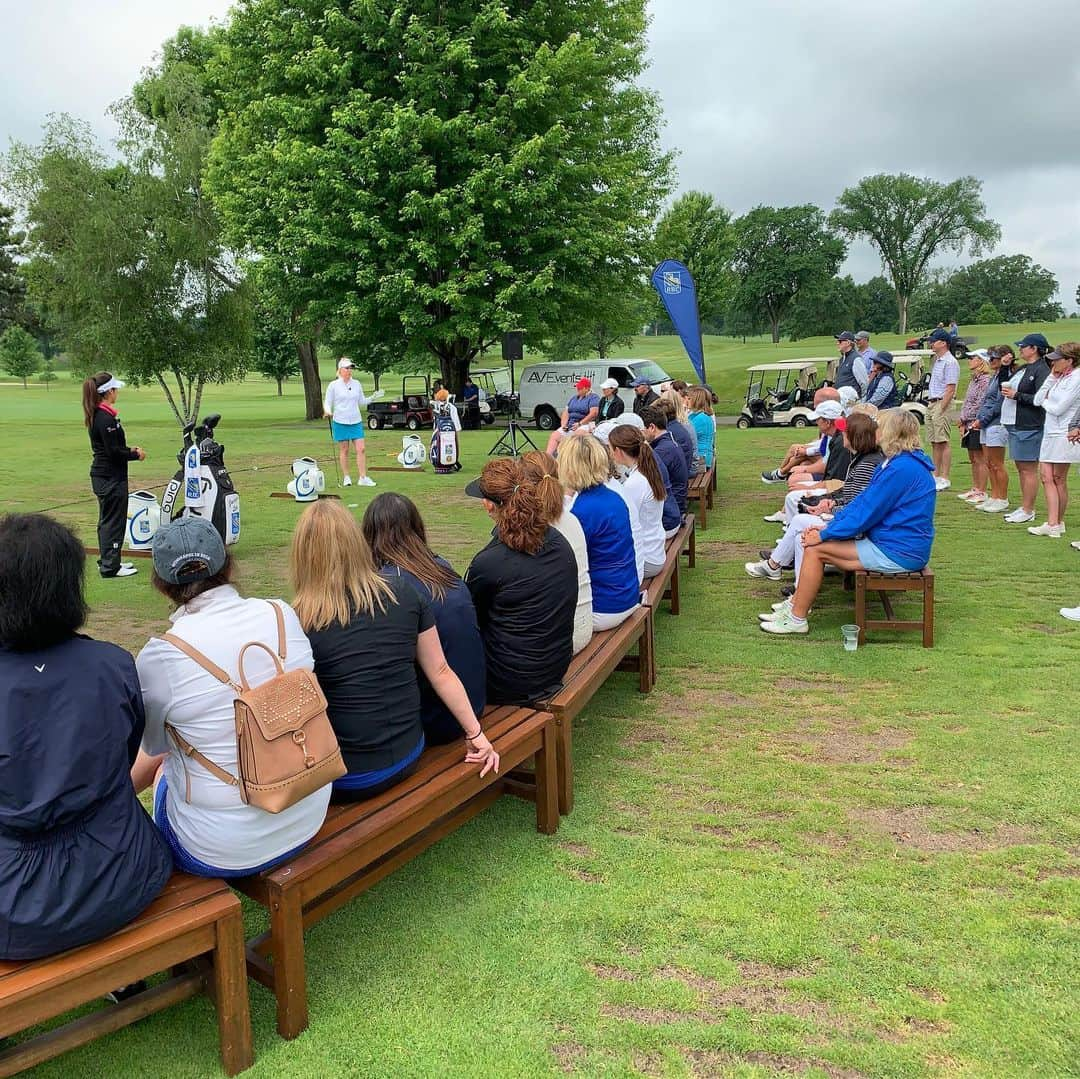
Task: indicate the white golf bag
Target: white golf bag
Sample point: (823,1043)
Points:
(444,438)
(412,453)
(143,520)
(308,480)
(206,483)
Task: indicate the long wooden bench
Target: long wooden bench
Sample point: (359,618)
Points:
(627,647)
(699,491)
(361,843)
(195,922)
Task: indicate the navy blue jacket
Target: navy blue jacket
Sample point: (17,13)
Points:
(686,440)
(79,857)
(667,450)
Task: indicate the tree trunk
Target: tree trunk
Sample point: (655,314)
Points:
(307,352)
(376,376)
(279,387)
(454,359)
(775,331)
(902,306)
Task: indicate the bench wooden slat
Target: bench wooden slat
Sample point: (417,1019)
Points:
(920,581)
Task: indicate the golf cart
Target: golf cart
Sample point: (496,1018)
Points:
(493,400)
(785,400)
(913,384)
(960,345)
(412,409)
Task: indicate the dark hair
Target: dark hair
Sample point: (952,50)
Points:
(678,385)
(395,532)
(41,582)
(861,431)
(652,416)
(541,471)
(634,444)
(519,519)
(180,594)
(90,396)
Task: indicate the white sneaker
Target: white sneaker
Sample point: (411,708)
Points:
(1071,613)
(942,485)
(775,518)
(1075,545)
(124,571)
(1019,516)
(785,622)
(967,494)
(365,481)
(1047,529)
(763,569)
(347,481)
(977,499)
(993,505)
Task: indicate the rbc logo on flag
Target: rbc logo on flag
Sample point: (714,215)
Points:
(672,282)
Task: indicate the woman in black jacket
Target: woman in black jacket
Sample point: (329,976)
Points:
(611,404)
(109,470)
(79,857)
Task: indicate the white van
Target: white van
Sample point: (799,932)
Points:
(546,387)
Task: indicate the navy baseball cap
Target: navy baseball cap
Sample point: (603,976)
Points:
(940,335)
(1035,339)
(640,382)
(847,335)
(188,549)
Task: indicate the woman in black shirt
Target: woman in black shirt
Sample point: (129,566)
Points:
(525,587)
(109,470)
(367,635)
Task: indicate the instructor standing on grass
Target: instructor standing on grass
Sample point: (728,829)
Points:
(344,399)
(109,470)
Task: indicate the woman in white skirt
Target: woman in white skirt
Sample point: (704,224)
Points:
(1058,397)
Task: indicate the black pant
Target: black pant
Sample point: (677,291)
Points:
(112,496)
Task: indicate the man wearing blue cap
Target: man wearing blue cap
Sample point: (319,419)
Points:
(944,378)
(850,371)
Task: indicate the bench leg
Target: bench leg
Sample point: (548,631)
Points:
(290,978)
(860,606)
(691,550)
(928,613)
(647,657)
(564,765)
(703,503)
(674,588)
(231,995)
(547,783)
(886,602)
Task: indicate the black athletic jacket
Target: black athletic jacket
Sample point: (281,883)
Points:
(111,453)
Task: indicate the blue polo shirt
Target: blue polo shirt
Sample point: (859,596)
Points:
(605,520)
(577,408)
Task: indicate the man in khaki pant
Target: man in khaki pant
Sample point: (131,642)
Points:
(944,377)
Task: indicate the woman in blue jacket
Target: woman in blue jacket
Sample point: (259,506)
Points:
(79,856)
(889,528)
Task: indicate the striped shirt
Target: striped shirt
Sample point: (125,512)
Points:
(859,474)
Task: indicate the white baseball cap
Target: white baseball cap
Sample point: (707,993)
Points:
(609,384)
(827,410)
(344,362)
(982,353)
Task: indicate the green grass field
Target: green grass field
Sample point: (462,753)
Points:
(787,859)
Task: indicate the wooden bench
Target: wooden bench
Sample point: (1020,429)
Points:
(884,583)
(193,919)
(363,842)
(700,490)
(665,585)
(627,647)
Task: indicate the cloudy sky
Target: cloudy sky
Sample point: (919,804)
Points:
(775,102)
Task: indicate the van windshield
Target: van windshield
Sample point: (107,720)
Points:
(650,370)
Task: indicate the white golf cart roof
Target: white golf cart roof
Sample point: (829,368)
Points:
(911,355)
(789,365)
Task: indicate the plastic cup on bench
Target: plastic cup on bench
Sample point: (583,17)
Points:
(851,637)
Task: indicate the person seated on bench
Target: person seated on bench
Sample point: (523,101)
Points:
(643,482)
(605,518)
(803,457)
(894,516)
(669,454)
(703,422)
(525,587)
(396,535)
(79,857)
(210,829)
(680,429)
(860,438)
(542,472)
(581,409)
(368,633)
(831,425)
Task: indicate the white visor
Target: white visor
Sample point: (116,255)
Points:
(112,384)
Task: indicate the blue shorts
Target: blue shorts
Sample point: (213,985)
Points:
(346,432)
(188,863)
(874,558)
(1024,445)
(996,435)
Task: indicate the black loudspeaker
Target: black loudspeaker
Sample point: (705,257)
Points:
(512,345)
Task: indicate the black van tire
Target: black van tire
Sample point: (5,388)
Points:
(547,419)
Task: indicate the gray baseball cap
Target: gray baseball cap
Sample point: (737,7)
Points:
(861,335)
(186,550)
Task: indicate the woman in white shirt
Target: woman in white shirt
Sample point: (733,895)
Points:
(341,406)
(208,827)
(645,487)
(1058,397)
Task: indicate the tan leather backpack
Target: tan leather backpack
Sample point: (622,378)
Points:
(285,746)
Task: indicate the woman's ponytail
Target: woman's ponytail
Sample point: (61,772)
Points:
(636,446)
(90,396)
(540,470)
(519,517)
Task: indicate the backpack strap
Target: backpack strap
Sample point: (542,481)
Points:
(194,654)
(280,629)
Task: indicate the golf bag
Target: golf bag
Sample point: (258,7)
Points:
(308,480)
(412,453)
(444,439)
(143,519)
(206,483)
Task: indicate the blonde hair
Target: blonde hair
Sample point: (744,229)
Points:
(700,399)
(583,463)
(332,570)
(864,408)
(898,430)
(674,405)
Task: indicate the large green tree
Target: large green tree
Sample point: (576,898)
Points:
(698,232)
(1020,289)
(875,306)
(439,172)
(909,220)
(780,253)
(823,308)
(129,261)
(12,282)
(19,354)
